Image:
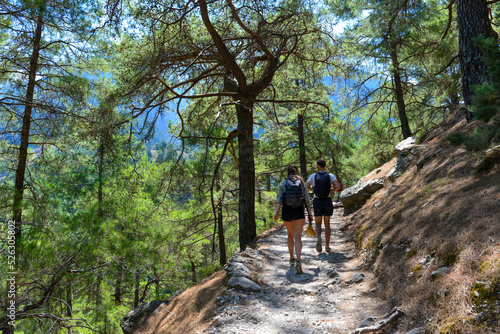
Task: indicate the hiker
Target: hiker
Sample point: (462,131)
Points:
(292,196)
(323,184)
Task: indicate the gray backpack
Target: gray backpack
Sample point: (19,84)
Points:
(293,195)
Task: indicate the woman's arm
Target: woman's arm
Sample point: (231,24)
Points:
(276,212)
(279,200)
(308,201)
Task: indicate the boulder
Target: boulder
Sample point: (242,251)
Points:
(356,278)
(243,284)
(239,259)
(136,316)
(405,145)
(236,269)
(406,151)
(354,197)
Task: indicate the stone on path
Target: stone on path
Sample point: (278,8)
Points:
(243,284)
(356,278)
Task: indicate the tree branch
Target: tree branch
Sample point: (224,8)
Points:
(229,60)
(450,18)
(449,63)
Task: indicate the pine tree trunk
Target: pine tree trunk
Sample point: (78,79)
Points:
(137,287)
(220,227)
(398,89)
(69,300)
(246,167)
(473,22)
(193,271)
(302,147)
(100,176)
(118,284)
(25,131)
(222,241)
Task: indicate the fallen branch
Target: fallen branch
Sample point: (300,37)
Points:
(379,325)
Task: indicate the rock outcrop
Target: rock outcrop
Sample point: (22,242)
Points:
(134,317)
(354,197)
(239,270)
(405,151)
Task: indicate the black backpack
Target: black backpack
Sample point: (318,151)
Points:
(293,195)
(322,184)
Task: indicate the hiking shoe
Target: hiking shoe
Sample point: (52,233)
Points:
(292,262)
(298,267)
(318,245)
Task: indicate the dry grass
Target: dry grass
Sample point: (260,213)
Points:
(188,312)
(446,210)
(193,310)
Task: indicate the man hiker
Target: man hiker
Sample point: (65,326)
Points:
(323,184)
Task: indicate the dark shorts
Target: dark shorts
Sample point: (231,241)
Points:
(323,206)
(288,213)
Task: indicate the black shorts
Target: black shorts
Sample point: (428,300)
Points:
(323,207)
(288,213)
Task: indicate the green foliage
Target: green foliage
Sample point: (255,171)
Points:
(480,139)
(457,138)
(486,103)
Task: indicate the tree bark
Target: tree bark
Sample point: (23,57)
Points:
(302,147)
(118,284)
(473,22)
(100,176)
(220,228)
(137,287)
(69,300)
(246,168)
(25,131)
(398,89)
(222,240)
(193,271)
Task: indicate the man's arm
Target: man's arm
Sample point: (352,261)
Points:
(308,186)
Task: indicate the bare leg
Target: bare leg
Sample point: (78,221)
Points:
(328,231)
(318,233)
(290,236)
(318,220)
(297,234)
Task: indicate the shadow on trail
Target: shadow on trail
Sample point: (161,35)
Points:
(334,258)
(309,275)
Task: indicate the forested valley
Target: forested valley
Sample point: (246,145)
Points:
(142,142)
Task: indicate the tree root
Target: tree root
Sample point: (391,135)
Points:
(382,323)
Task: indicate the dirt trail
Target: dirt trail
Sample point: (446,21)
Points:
(315,302)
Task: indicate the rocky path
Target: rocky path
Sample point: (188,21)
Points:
(322,300)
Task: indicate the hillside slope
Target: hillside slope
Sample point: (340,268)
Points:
(443,215)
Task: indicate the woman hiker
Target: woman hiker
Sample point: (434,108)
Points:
(292,196)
